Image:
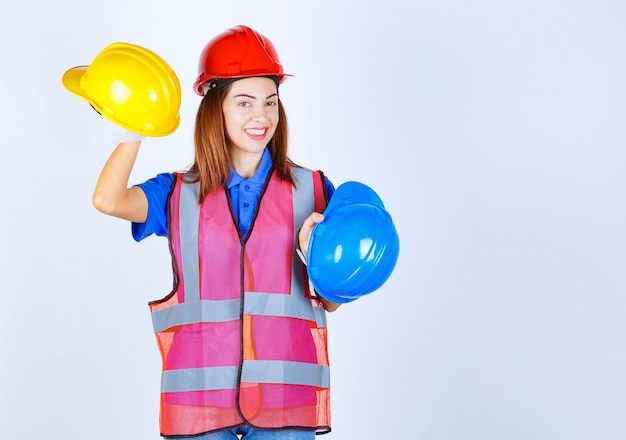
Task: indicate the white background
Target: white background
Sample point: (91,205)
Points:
(494,132)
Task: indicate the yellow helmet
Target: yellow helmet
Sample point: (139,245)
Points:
(131,86)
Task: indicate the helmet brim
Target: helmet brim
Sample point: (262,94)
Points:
(71,80)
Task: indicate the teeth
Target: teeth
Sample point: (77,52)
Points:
(255,132)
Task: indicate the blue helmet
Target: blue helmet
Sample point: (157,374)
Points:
(353,251)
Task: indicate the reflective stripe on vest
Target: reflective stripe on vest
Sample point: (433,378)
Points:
(228,310)
(242,352)
(217,378)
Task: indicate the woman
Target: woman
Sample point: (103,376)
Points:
(242,335)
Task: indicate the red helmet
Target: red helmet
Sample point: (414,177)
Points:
(236,53)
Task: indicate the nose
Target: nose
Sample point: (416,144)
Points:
(260,113)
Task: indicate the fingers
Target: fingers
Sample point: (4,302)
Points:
(309,223)
(312,220)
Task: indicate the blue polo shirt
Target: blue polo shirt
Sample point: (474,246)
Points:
(244,195)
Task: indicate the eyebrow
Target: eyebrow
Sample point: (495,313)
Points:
(244,95)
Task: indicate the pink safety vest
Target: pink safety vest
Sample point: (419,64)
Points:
(241,338)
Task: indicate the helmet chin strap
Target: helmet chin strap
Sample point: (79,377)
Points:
(301,255)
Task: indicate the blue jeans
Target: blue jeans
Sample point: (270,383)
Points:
(248,433)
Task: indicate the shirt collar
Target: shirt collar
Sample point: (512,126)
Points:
(258,177)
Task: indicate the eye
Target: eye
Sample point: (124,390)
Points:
(271,103)
(244,104)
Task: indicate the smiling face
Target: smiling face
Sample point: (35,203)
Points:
(250,115)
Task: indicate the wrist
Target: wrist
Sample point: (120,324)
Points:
(128,136)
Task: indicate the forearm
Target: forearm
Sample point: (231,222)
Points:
(112,195)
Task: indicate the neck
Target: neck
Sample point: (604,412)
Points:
(246,164)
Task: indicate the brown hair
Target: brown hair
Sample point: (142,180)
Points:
(212,162)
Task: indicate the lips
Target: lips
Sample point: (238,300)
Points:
(256,133)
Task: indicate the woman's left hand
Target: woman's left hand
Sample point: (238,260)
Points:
(304,237)
(306,229)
